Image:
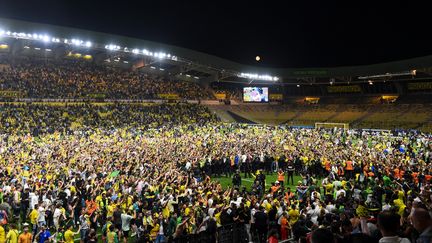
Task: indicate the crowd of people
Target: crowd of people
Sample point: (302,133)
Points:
(34,118)
(145,174)
(48,78)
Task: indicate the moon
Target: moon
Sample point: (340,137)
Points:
(257,58)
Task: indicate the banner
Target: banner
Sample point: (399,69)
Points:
(344,89)
(96,96)
(312,100)
(420,86)
(277,97)
(220,96)
(11,94)
(169,96)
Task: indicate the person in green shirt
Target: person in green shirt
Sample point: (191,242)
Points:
(59,236)
(387,180)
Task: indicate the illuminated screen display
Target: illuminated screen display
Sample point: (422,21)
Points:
(255,94)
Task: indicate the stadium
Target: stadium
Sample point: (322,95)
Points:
(108,138)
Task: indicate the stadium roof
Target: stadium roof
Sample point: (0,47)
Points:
(202,62)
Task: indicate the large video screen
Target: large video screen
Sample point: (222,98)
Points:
(255,94)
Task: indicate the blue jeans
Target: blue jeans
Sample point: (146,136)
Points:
(83,234)
(160,238)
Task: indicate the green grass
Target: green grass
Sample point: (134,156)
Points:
(247,182)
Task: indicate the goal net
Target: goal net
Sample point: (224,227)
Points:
(331,125)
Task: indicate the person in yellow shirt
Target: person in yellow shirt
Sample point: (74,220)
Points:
(34,214)
(25,237)
(2,234)
(110,209)
(112,236)
(69,234)
(293,214)
(12,235)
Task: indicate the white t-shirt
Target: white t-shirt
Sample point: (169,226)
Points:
(211,211)
(41,211)
(253,211)
(34,199)
(210,202)
(7,189)
(57,214)
(188,165)
(331,208)
(244,157)
(125,218)
(340,192)
(394,239)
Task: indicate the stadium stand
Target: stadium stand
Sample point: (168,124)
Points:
(108,153)
(37,78)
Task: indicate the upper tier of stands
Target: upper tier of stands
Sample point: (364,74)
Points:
(80,79)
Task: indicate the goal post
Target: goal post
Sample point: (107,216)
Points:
(331,125)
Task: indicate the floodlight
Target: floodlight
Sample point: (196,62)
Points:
(88,44)
(160,55)
(111,47)
(46,38)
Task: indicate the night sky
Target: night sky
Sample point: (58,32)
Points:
(300,35)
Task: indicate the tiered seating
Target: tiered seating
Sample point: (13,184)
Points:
(384,116)
(78,79)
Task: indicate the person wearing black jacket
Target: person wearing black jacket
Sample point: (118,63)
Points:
(236,181)
(261,224)
(290,170)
